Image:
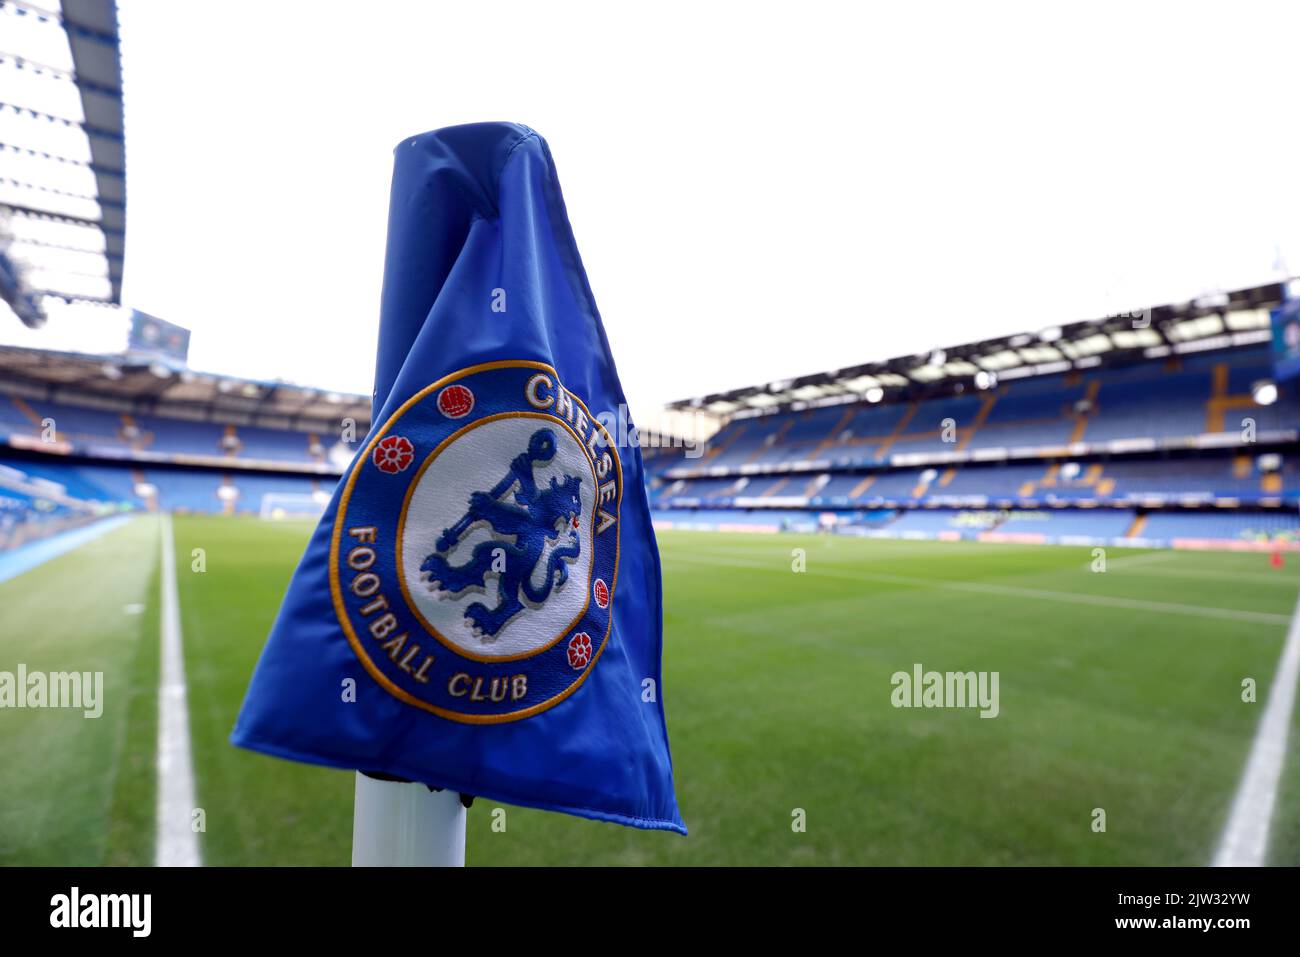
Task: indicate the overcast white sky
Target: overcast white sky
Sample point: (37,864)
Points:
(758,191)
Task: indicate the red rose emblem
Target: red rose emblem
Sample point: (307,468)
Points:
(394,454)
(455,401)
(601,593)
(579,650)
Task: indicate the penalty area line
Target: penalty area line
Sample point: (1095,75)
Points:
(176,843)
(1245,837)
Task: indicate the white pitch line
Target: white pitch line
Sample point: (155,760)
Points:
(1245,838)
(176,844)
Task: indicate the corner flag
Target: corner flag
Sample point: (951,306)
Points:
(479,608)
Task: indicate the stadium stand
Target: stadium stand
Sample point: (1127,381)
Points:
(1164,400)
(940,523)
(1231,526)
(178,436)
(767,520)
(104,487)
(1111,481)
(1160,442)
(83,437)
(1087,524)
(34,506)
(112,433)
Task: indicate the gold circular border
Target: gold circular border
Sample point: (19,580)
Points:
(340,610)
(401,528)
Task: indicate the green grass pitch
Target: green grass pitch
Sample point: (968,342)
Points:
(1118,690)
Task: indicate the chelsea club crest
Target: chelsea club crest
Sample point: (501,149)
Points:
(475,550)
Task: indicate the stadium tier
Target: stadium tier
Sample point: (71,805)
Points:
(1172,451)
(1152,404)
(86,436)
(123,435)
(1244,529)
(1183,479)
(767,520)
(133,408)
(30,511)
(96,489)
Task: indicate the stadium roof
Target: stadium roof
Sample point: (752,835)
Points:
(149,384)
(63,183)
(1218,321)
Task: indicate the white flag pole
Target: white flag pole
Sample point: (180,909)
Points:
(402,824)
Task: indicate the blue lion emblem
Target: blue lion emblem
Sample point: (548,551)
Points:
(522,531)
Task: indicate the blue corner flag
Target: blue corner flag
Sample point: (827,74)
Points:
(479,608)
